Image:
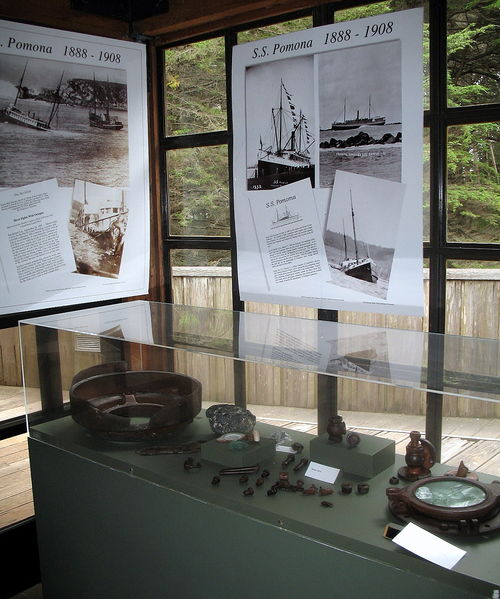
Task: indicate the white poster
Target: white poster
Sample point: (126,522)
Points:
(340,107)
(74,174)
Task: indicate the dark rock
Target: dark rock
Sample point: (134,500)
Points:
(227,418)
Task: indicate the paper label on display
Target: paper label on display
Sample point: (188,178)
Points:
(429,546)
(326,474)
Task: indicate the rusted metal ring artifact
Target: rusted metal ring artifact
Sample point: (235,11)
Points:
(133,405)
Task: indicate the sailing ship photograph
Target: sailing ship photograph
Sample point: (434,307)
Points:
(361,232)
(360,112)
(71,119)
(280,124)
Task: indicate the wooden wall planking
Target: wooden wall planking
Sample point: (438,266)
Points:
(472,310)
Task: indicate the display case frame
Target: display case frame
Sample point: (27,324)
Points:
(150,335)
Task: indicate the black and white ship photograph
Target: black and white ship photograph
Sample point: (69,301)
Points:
(280,123)
(362,232)
(360,111)
(361,355)
(70,118)
(97,227)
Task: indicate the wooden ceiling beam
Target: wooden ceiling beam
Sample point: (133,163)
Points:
(60,15)
(190,19)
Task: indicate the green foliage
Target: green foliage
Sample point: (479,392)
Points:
(198,191)
(195,88)
(195,92)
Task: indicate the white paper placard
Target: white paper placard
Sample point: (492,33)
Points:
(74,113)
(429,546)
(308,105)
(326,474)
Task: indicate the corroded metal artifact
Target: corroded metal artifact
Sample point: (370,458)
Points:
(346,488)
(420,457)
(363,488)
(190,464)
(302,463)
(449,504)
(352,439)
(462,471)
(239,470)
(182,448)
(125,405)
(336,429)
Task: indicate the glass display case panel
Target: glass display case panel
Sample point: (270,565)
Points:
(150,391)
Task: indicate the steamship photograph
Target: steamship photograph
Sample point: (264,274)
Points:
(361,232)
(71,118)
(280,123)
(98,222)
(360,111)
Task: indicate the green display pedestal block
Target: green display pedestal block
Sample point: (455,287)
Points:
(367,459)
(220,453)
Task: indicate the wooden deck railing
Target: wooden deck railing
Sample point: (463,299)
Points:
(473,310)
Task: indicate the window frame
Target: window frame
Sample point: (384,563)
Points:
(438,117)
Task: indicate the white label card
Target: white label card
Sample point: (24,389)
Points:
(429,546)
(326,474)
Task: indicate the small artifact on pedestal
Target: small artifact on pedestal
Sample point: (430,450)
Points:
(336,429)
(354,453)
(420,457)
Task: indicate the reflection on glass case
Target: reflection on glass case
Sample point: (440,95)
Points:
(209,405)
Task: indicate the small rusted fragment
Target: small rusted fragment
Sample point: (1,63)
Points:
(303,462)
(190,465)
(248,492)
(265,473)
(272,491)
(288,460)
(327,504)
(394,480)
(323,491)
(215,481)
(240,470)
(352,439)
(259,482)
(363,488)
(346,488)
(243,479)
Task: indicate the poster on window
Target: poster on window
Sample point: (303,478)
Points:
(74,174)
(333,118)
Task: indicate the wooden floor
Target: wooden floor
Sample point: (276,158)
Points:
(476,441)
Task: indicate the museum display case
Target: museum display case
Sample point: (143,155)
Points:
(145,452)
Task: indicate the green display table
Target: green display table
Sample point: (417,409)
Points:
(116,524)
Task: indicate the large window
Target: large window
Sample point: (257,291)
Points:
(461,198)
